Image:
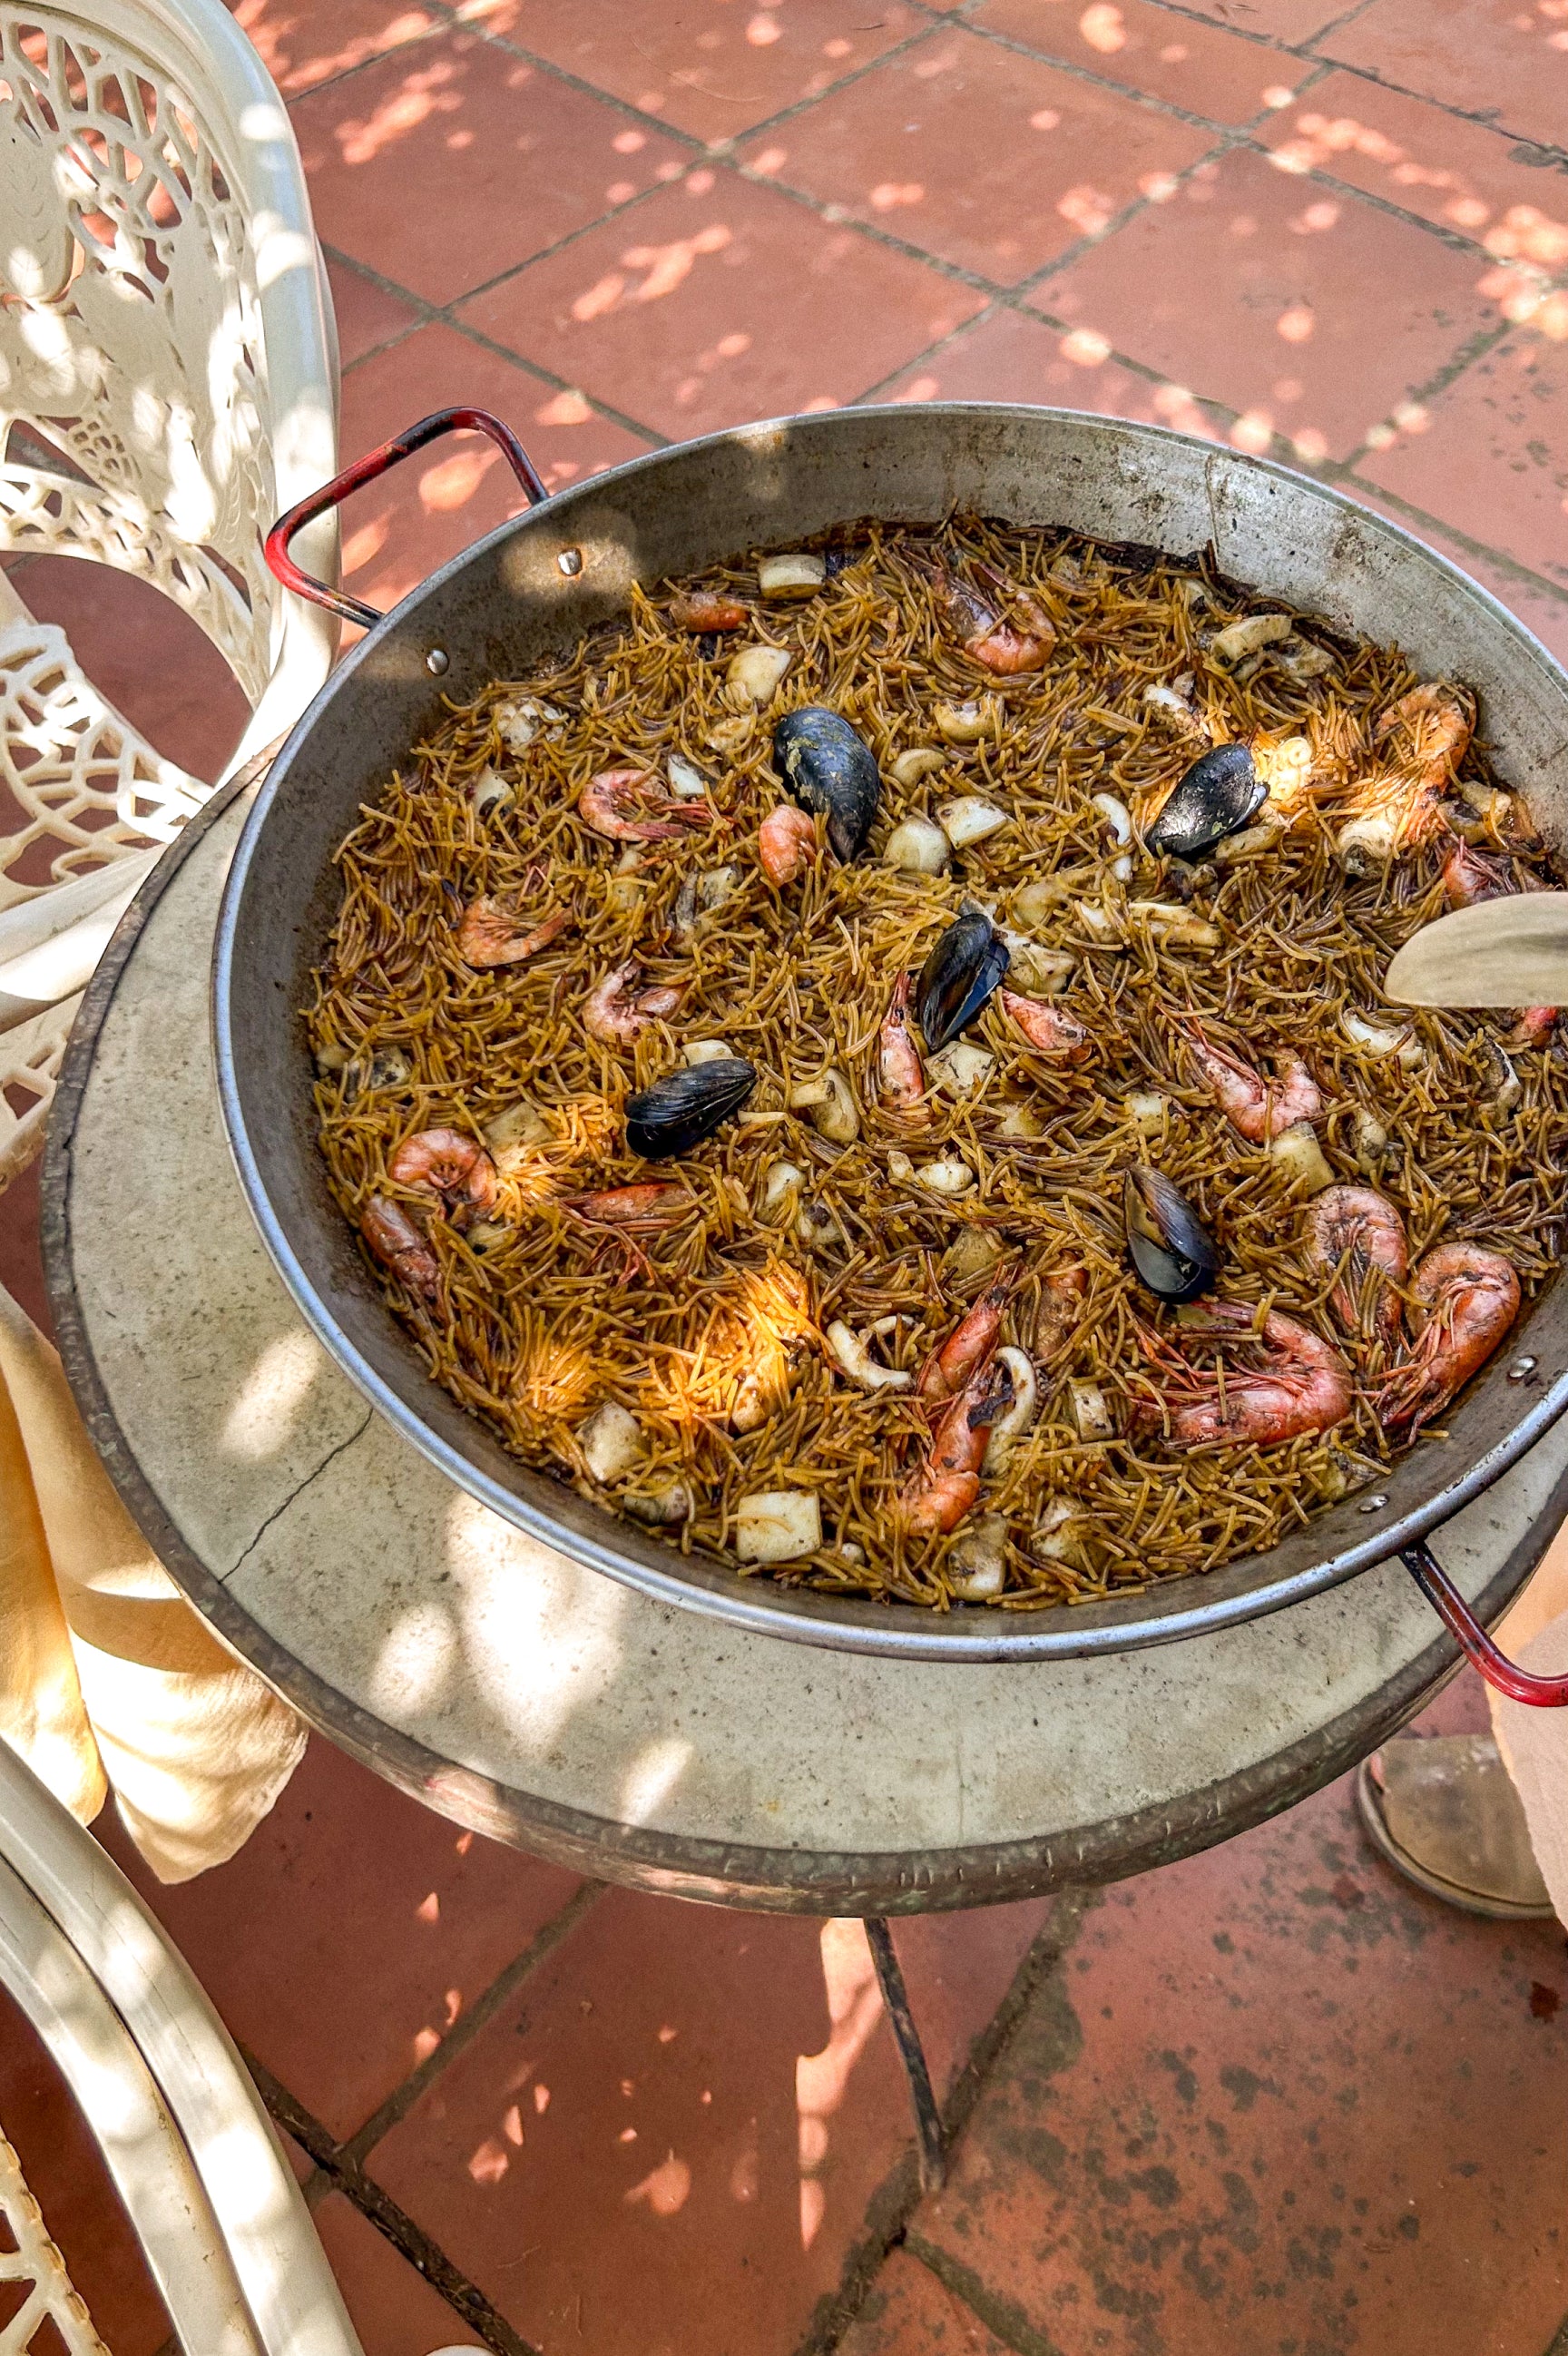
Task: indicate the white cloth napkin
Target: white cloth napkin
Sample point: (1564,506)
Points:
(107,1676)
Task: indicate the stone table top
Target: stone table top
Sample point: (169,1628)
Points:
(543,1704)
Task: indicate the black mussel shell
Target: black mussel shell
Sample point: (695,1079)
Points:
(831,770)
(679,1111)
(963,969)
(1170,1249)
(1216,798)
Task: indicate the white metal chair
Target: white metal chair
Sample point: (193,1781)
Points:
(201,2175)
(168,378)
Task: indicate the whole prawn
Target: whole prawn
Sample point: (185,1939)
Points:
(652,1204)
(612,1014)
(1358,1236)
(786,841)
(1426,732)
(968,1347)
(1466,1298)
(898,1058)
(400,1247)
(1255,1107)
(490,935)
(443,1162)
(979,627)
(940,1493)
(1049,1029)
(1276,1386)
(626,804)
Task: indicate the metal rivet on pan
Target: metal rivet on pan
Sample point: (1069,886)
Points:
(1521,1369)
(570,561)
(437,660)
(1372,1505)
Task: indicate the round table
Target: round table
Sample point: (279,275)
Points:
(547,1706)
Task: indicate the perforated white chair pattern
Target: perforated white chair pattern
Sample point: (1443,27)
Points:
(167,387)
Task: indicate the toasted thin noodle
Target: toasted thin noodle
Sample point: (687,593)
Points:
(558,1314)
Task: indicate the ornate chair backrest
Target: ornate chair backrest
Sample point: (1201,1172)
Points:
(167,371)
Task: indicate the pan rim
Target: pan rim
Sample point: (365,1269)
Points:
(1123,1623)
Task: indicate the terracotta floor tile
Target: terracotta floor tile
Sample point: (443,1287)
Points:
(680,2121)
(368,317)
(908,2312)
(21,1264)
(65,2171)
(303,42)
(392,2307)
(1275,2100)
(717,302)
(1491,454)
(992,160)
(1009,356)
(1312,315)
(148,657)
(349,1932)
(957,1968)
(1275,20)
(1538,606)
(520,159)
(1200,67)
(707,67)
(400,529)
(1429,162)
(1505,61)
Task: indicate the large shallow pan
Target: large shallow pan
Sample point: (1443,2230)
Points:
(524,594)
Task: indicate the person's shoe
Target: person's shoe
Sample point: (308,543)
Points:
(1444,1812)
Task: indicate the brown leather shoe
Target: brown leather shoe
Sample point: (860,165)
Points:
(1444,1812)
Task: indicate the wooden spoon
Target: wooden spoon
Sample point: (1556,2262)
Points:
(1511,951)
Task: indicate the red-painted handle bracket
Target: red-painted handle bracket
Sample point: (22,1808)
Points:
(1506,1675)
(365,470)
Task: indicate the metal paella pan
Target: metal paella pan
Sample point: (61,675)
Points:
(522,597)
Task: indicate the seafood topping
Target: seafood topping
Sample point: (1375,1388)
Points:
(679,1111)
(829,770)
(1171,1250)
(1216,797)
(963,969)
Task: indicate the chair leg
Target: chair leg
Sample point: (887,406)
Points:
(911,2053)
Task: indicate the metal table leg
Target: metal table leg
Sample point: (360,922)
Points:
(911,2053)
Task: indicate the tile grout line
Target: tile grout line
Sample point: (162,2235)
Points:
(393,2222)
(894,2204)
(999,2316)
(355,2149)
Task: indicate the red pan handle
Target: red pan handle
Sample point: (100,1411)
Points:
(365,470)
(1519,1684)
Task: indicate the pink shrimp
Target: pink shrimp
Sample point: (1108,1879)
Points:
(400,1247)
(940,1493)
(1435,720)
(701,610)
(1425,736)
(1276,1386)
(490,935)
(443,1162)
(1060,1308)
(650,1205)
(786,841)
(613,1015)
(1255,1107)
(898,1057)
(1467,1299)
(969,1346)
(617,802)
(1047,1028)
(980,628)
(1360,1233)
